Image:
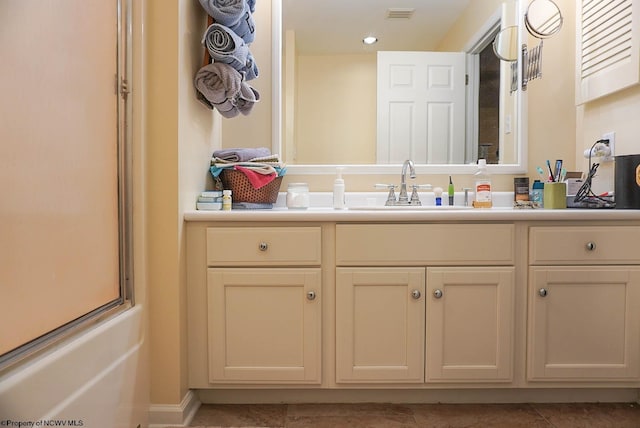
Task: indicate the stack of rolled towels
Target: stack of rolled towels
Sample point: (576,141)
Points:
(223,83)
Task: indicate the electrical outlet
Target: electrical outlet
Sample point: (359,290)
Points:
(611,136)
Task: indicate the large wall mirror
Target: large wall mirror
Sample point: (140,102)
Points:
(431,88)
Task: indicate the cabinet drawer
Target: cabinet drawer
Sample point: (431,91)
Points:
(584,245)
(410,244)
(263,246)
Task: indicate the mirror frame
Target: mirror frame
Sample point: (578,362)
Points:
(519,167)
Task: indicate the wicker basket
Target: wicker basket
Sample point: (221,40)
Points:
(243,191)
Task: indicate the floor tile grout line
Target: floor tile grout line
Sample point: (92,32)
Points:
(535,409)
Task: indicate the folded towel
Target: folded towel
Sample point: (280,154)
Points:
(242,154)
(256,178)
(235,14)
(269,165)
(219,85)
(260,168)
(227,47)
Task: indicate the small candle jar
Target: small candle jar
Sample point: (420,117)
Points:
(298,196)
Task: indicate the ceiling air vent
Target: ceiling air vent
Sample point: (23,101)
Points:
(400,13)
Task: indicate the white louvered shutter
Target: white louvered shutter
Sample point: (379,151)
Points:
(607,47)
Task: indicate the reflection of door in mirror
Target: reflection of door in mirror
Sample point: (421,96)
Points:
(421,107)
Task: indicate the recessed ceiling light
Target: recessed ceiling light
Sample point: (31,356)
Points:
(369,40)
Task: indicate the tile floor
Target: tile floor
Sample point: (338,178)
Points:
(574,415)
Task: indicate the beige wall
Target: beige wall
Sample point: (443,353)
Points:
(618,113)
(475,15)
(162,200)
(552,118)
(339,90)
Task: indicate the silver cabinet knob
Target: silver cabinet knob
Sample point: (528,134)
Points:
(311,295)
(437,293)
(263,246)
(543,292)
(591,246)
(416,294)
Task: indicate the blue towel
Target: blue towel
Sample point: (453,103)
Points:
(234,14)
(227,47)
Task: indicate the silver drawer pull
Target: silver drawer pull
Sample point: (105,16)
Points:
(437,293)
(263,246)
(416,294)
(311,295)
(591,246)
(543,292)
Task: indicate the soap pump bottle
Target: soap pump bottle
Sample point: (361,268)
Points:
(338,191)
(482,186)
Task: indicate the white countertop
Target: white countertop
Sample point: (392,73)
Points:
(320,211)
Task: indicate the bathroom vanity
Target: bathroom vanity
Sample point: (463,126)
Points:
(469,300)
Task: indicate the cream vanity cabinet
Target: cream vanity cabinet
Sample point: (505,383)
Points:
(263,305)
(584,303)
(422,303)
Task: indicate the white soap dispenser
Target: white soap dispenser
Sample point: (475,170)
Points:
(338,191)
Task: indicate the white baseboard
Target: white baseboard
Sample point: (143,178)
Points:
(162,415)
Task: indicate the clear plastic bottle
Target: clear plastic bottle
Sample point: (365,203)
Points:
(482,186)
(338,191)
(226,200)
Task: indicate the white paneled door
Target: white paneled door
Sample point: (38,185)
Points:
(421,106)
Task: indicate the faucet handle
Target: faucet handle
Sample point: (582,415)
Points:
(384,186)
(391,197)
(415,198)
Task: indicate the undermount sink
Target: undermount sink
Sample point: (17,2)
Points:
(410,207)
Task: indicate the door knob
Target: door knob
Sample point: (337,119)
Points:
(416,294)
(437,293)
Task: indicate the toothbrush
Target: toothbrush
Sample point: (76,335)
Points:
(541,172)
(563,174)
(550,171)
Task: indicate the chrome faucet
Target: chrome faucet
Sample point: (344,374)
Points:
(403,198)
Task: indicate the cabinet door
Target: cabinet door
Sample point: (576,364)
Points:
(379,325)
(584,323)
(264,325)
(469,324)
